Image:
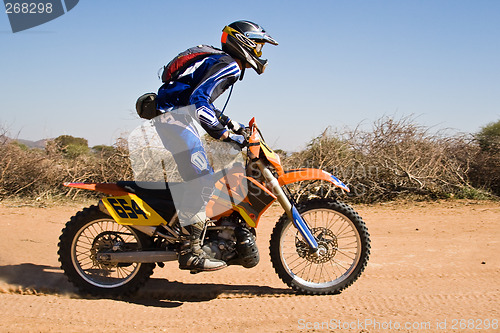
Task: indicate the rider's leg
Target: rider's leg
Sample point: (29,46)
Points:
(191,197)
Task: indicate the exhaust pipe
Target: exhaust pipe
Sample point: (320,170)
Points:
(144,257)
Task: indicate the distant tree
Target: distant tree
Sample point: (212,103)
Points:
(66,140)
(73,151)
(70,146)
(489,137)
(485,170)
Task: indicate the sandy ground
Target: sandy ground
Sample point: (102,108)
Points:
(434,267)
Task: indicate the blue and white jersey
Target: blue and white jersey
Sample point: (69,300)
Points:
(200,84)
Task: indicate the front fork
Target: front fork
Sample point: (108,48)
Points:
(290,209)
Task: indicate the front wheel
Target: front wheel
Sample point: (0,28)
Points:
(343,243)
(91,232)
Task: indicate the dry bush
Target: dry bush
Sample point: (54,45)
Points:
(39,174)
(396,158)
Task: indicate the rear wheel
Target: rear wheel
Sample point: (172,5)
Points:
(91,232)
(344,248)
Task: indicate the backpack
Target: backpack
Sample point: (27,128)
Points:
(146,104)
(185,59)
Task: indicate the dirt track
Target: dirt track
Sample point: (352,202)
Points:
(434,267)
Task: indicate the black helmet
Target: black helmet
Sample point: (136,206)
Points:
(244,40)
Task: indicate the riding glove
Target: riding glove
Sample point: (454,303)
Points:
(235,126)
(238,139)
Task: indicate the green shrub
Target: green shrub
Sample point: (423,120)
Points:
(70,146)
(485,169)
(489,137)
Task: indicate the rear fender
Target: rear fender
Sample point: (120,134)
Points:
(297,175)
(107,188)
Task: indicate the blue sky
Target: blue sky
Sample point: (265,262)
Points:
(339,63)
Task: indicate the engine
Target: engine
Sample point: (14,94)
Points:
(233,243)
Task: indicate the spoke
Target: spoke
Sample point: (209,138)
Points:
(345,255)
(300,272)
(120,272)
(353,249)
(83,246)
(299,264)
(309,265)
(86,262)
(348,236)
(324,273)
(338,264)
(88,238)
(94,232)
(289,255)
(315,271)
(326,270)
(294,260)
(334,268)
(334,219)
(79,252)
(353,242)
(347,229)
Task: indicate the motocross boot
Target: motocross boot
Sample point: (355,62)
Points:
(192,256)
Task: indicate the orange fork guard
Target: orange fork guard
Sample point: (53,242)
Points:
(296,175)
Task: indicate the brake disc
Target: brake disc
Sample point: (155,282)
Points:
(327,246)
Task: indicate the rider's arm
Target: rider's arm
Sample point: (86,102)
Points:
(217,79)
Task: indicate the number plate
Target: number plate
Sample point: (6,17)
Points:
(132,210)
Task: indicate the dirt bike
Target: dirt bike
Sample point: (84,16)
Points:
(318,246)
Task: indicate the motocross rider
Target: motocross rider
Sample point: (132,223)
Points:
(199,85)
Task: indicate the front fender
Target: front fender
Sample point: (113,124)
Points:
(296,175)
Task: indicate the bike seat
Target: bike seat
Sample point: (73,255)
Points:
(147,189)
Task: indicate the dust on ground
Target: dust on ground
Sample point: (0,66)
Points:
(433,267)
